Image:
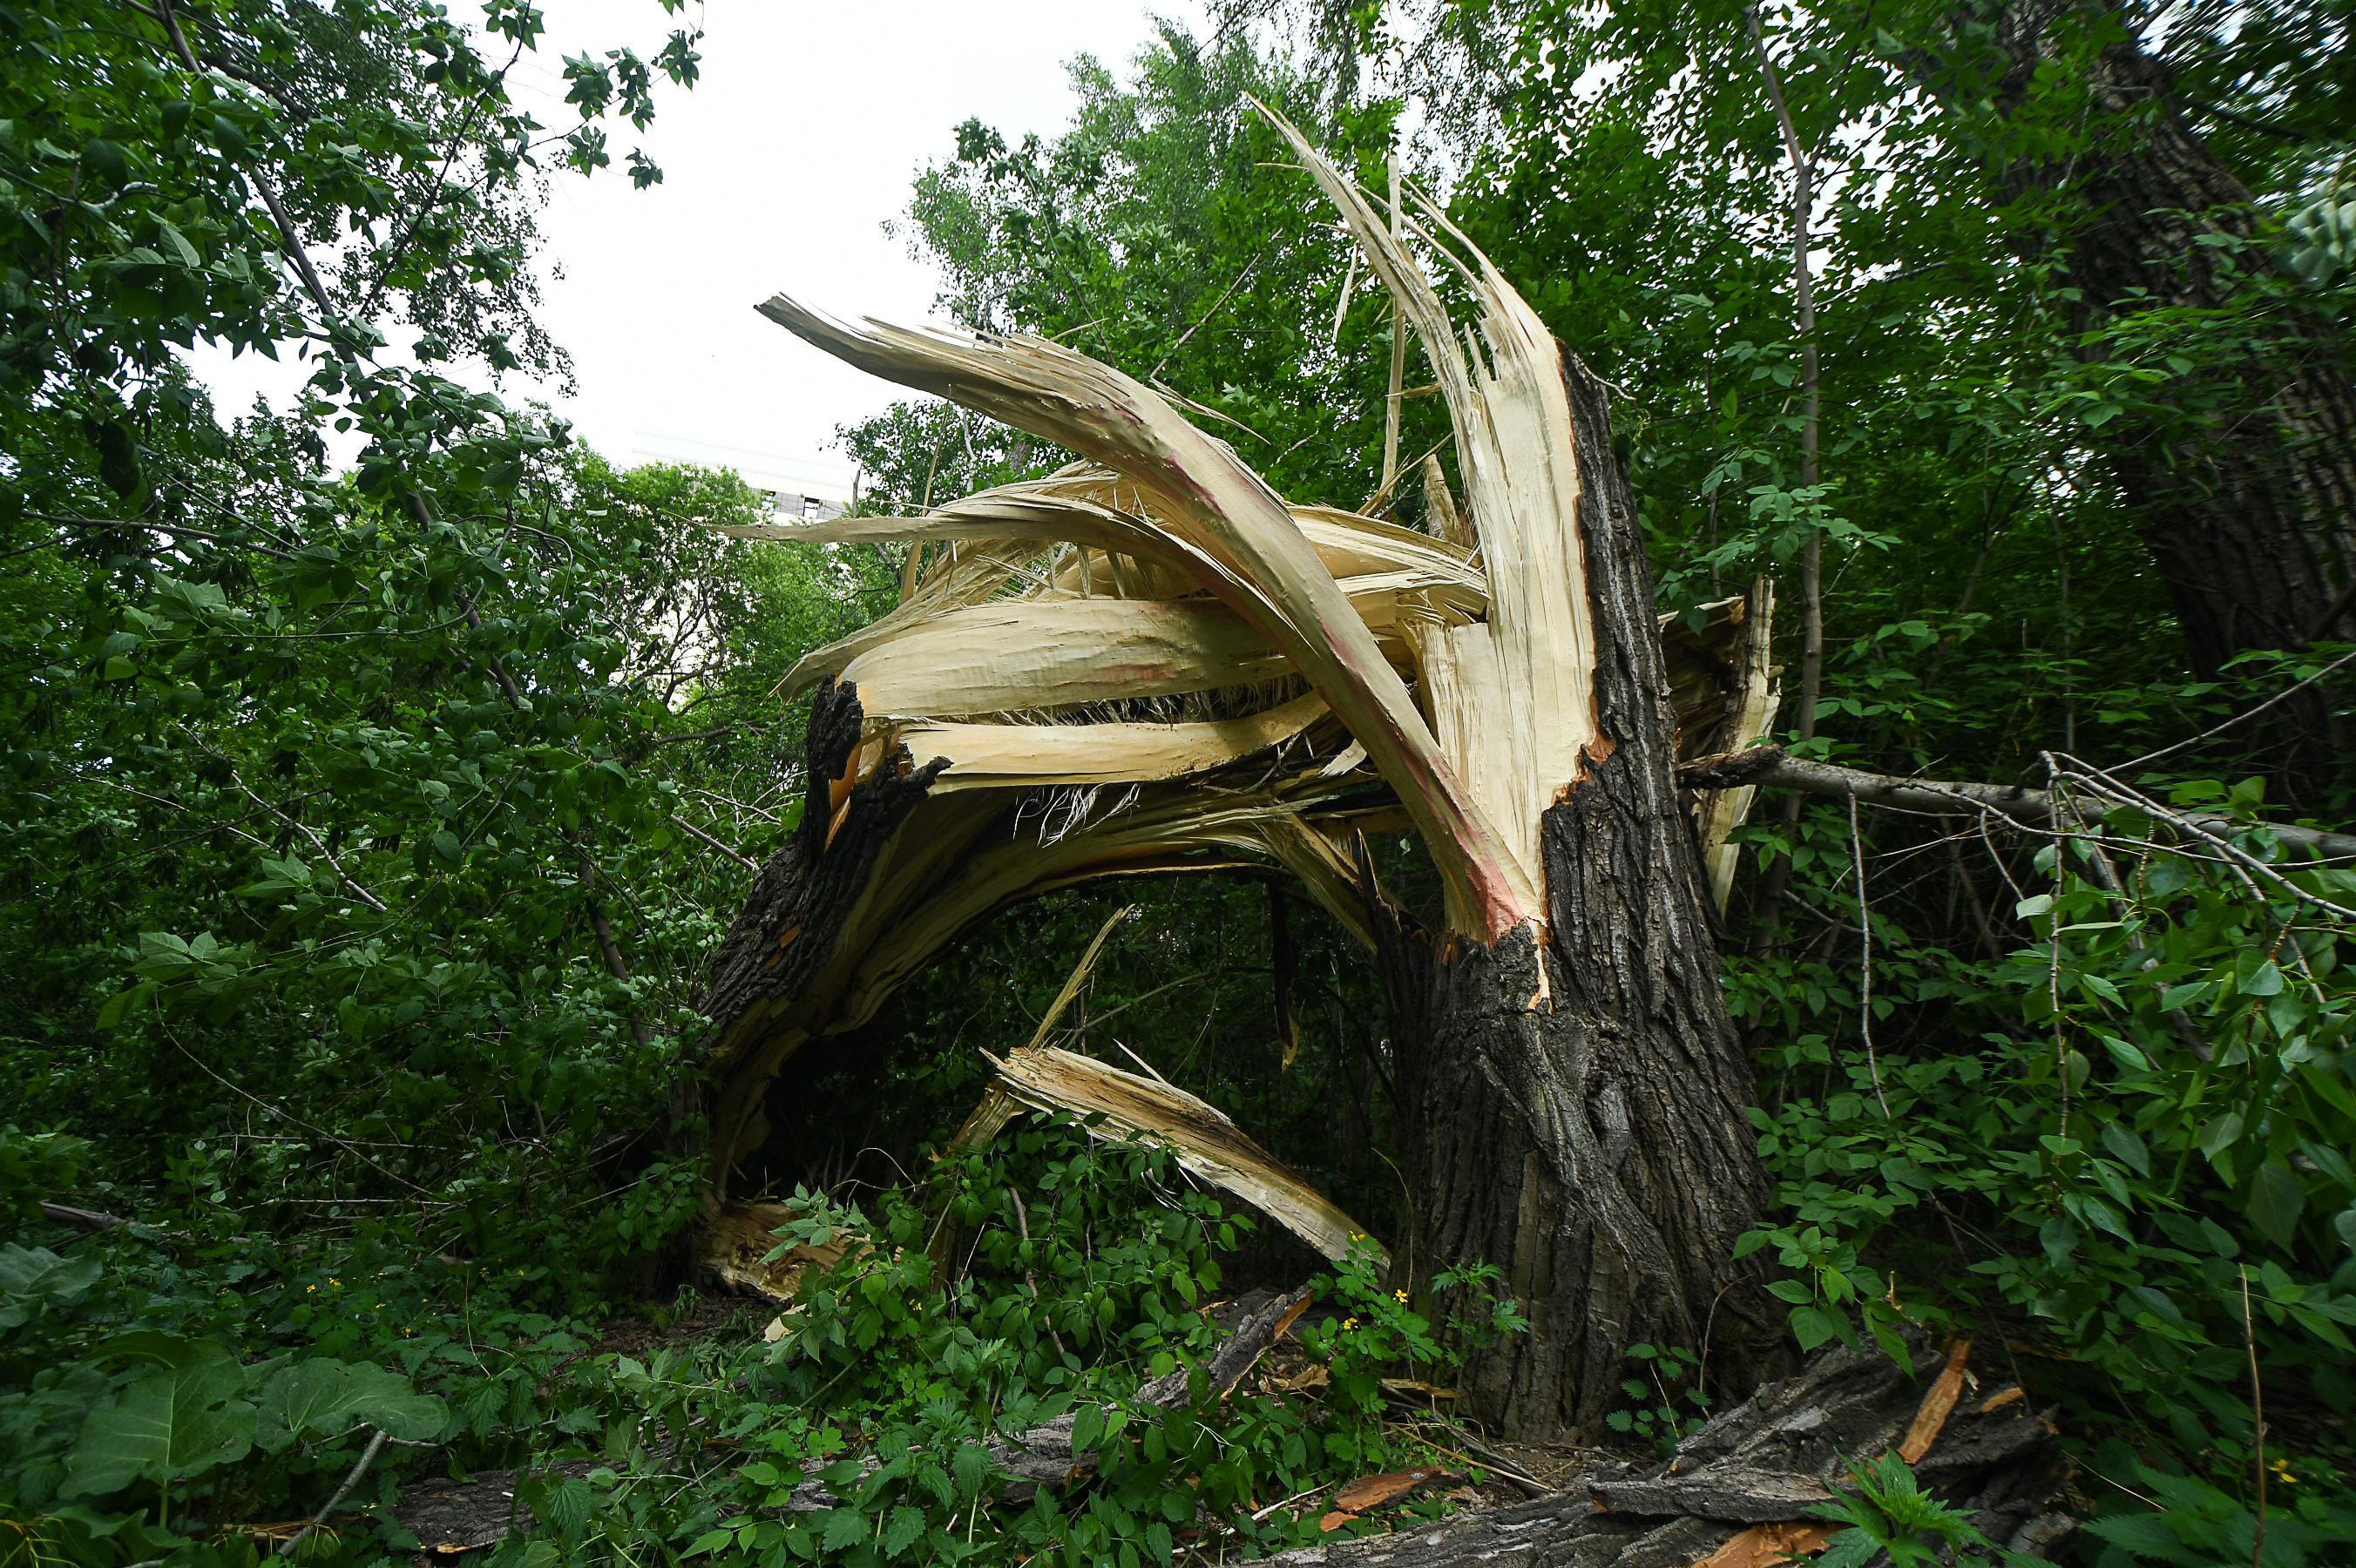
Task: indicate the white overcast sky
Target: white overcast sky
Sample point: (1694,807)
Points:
(780,169)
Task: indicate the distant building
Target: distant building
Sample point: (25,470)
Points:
(810,487)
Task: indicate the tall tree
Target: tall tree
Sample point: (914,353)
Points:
(1576,1090)
(2240,460)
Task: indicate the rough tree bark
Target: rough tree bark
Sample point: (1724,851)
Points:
(1575,1096)
(1741,1492)
(777,954)
(1594,1144)
(2246,486)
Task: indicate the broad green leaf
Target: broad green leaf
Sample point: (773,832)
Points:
(33,1277)
(2276,1200)
(1812,1325)
(322,1397)
(845,1528)
(905,1530)
(172,1424)
(970,1468)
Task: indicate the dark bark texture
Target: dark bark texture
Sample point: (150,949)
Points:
(2247,485)
(1595,1145)
(1768,1462)
(778,952)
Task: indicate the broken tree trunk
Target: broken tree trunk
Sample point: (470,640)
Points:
(1576,1095)
(1743,1492)
(779,957)
(1269,682)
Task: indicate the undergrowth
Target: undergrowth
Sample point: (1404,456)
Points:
(1049,1276)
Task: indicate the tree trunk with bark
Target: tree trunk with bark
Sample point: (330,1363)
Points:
(1266,683)
(1575,1101)
(2245,480)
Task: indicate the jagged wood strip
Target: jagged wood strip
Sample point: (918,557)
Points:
(999,756)
(1515,447)
(1750,713)
(1203,1139)
(1205,499)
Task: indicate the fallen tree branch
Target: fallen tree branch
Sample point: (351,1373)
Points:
(1743,1489)
(88,1219)
(2016,804)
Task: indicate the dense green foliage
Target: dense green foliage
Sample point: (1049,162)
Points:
(2078,1116)
(380,774)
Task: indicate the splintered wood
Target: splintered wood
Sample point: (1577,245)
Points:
(1151,662)
(1743,1492)
(1200,1138)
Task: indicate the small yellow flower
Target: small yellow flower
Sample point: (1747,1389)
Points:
(2281,1467)
(334,1282)
(1399,1295)
(310,1290)
(378,1307)
(1349,1323)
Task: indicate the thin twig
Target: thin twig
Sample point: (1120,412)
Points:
(2246,714)
(745,861)
(351,1479)
(2257,1424)
(288,1116)
(287,242)
(350,883)
(1865,962)
(1023,1226)
(1216,306)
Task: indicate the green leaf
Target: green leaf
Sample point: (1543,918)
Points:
(2221,1133)
(2276,1200)
(564,1506)
(1812,1325)
(322,1397)
(971,1469)
(34,1277)
(905,1530)
(2146,1535)
(845,1528)
(172,1424)
(2121,1140)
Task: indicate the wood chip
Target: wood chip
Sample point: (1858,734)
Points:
(1372,1491)
(1937,1405)
(1765,1544)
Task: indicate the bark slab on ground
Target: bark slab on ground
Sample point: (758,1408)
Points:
(1744,1488)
